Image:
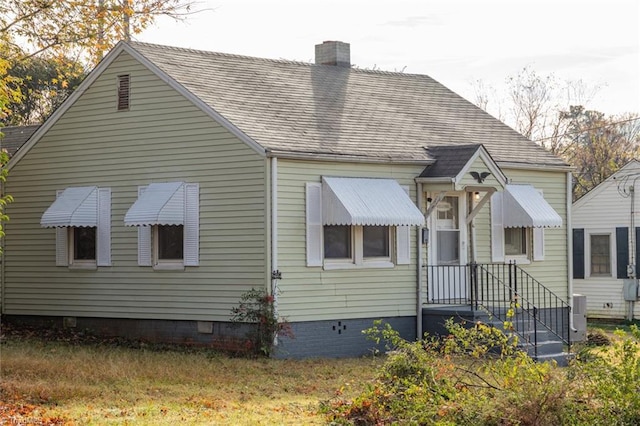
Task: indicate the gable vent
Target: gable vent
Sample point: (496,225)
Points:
(123,92)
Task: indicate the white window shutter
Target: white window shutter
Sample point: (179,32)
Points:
(497,228)
(538,244)
(314,224)
(191,224)
(144,240)
(62,246)
(403,241)
(62,242)
(103,233)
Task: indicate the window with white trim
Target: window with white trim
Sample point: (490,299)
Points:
(516,242)
(358,246)
(513,244)
(83,244)
(168,219)
(168,243)
(82,218)
(600,255)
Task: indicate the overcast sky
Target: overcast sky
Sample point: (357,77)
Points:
(454,41)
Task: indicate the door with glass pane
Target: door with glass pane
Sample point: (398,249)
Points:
(447,254)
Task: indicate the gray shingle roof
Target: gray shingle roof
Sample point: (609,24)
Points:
(327,110)
(15,136)
(450,160)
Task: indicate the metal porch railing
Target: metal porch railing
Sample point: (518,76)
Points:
(506,291)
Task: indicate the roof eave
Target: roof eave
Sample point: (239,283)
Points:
(347,158)
(535,167)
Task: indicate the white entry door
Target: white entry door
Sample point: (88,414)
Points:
(447,253)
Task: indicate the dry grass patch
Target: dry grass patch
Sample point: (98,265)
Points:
(100,384)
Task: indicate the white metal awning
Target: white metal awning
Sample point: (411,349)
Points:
(367,202)
(524,206)
(76,206)
(158,204)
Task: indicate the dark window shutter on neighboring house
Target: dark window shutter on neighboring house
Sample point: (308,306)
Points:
(578,253)
(622,251)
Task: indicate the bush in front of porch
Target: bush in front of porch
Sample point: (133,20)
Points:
(464,380)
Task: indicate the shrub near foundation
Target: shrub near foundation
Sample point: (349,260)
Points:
(257,308)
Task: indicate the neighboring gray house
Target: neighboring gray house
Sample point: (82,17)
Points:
(13,137)
(606,245)
(174,180)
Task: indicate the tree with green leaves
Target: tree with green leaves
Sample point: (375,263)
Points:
(43,84)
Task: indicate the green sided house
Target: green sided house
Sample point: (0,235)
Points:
(173,181)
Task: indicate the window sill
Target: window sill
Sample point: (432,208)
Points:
(519,260)
(375,264)
(84,266)
(168,267)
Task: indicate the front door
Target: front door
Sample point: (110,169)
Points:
(447,254)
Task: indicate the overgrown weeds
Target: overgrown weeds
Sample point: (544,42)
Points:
(477,376)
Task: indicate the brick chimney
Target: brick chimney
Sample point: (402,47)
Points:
(333,53)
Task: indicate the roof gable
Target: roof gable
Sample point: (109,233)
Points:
(454,163)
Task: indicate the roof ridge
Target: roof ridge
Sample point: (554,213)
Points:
(353,67)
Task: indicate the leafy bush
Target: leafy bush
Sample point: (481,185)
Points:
(609,378)
(477,376)
(257,308)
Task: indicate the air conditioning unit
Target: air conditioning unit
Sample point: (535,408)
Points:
(579,318)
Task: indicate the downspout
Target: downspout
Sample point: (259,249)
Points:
(570,250)
(419,251)
(275,273)
(632,252)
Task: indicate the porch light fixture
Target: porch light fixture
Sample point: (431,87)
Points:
(476,195)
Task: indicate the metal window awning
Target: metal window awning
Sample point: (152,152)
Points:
(76,206)
(158,204)
(367,202)
(524,206)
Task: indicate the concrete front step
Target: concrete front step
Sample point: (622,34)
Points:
(562,358)
(549,347)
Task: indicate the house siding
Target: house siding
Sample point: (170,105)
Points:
(600,212)
(316,294)
(552,272)
(163,137)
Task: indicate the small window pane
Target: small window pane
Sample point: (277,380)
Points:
(84,243)
(375,240)
(600,255)
(448,246)
(447,211)
(515,241)
(337,242)
(170,243)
